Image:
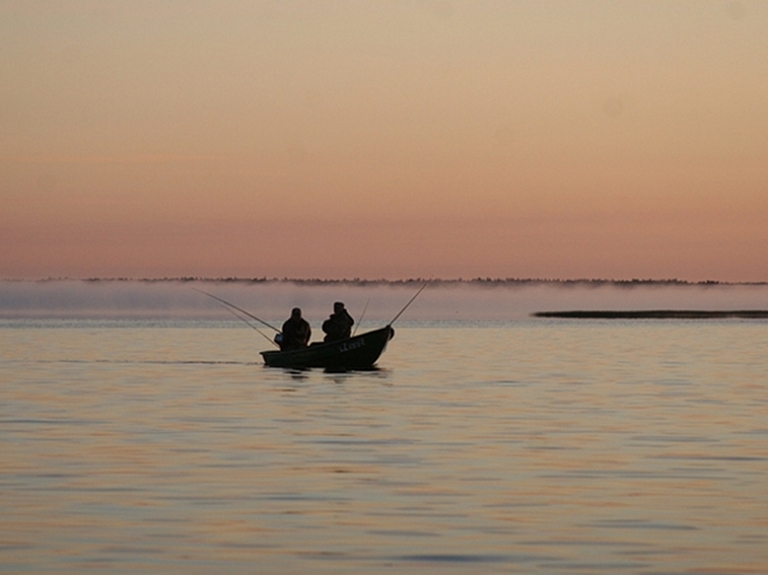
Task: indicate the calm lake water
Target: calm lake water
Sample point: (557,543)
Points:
(530,446)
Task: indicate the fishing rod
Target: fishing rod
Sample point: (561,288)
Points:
(241,310)
(362,315)
(410,301)
(249,324)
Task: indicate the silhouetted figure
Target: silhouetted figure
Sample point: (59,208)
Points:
(339,325)
(296,332)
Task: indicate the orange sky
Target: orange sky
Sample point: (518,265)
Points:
(407,138)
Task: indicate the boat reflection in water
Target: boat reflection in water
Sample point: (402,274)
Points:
(358,352)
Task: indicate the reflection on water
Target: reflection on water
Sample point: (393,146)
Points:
(527,447)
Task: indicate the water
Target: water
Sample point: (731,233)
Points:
(529,446)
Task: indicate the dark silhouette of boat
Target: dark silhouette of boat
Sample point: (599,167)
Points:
(358,352)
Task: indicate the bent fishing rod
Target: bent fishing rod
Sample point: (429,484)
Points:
(241,310)
(249,324)
(361,317)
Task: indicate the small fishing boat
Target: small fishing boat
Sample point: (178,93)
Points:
(357,352)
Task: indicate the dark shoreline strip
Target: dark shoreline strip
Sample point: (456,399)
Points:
(656,314)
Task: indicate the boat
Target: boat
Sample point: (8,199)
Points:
(357,352)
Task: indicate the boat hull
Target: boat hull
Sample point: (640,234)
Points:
(359,352)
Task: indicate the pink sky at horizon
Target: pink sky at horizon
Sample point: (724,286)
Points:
(341,139)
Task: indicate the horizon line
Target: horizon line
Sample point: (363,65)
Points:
(405,281)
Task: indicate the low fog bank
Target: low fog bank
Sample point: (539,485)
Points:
(272,300)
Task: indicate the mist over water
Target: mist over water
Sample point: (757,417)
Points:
(272,300)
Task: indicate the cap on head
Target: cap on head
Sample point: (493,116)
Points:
(338,306)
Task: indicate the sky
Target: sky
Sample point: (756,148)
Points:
(397,139)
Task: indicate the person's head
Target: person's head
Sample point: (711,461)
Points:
(338,307)
(296,313)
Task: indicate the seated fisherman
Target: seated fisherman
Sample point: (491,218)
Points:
(339,325)
(296,332)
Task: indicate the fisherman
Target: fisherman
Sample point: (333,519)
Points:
(296,332)
(339,325)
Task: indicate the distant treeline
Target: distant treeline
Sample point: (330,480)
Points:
(480,281)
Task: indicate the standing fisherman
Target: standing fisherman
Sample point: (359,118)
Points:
(339,325)
(296,332)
